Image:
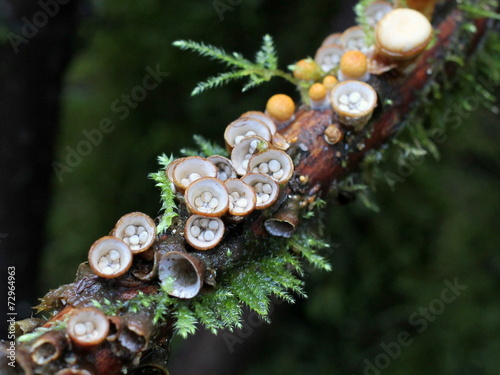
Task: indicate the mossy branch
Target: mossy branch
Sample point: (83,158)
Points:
(250,265)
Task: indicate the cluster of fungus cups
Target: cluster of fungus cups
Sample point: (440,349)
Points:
(401,35)
(217,187)
(111,256)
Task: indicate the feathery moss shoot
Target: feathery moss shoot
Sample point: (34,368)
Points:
(262,70)
(168,205)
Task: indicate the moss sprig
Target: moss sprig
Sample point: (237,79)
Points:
(205,148)
(262,70)
(362,21)
(168,205)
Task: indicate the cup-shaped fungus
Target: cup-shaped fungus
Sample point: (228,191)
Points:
(261,116)
(376,10)
(280,108)
(266,188)
(286,218)
(245,127)
(353,65)
(242,197)
(318,97)
(280,142)
(354,102)
(137,230)
(307,70)
(87,327)
(202,232)
(331,39)
(186,271)
(225,168)
(328,56)
(48,347)
(354,38)
(170,172)
(275,163)
(243,151)
(191,169)
(330,82)
(333,134)
(170,168)
(110,257)
(402,34)
(207,196)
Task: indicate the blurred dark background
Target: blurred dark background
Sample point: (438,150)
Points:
(79,136)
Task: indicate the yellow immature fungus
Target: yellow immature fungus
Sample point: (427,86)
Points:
(280,107)
(307,69)
(318,97)
(330,82)
(317,92)
(353,65)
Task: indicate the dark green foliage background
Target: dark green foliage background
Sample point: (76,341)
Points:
(441,223)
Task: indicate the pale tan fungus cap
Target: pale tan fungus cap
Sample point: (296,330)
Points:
(402,33)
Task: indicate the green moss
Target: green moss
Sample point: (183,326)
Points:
(262,70)
(168,205)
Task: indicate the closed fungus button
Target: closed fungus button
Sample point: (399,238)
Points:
(307,69)
(330,82)
(402,34)
(280,107)
(318,97)
(354,65)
